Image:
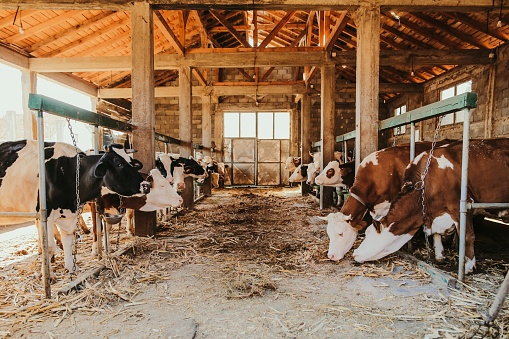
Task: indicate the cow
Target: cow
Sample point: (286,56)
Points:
(312,173)
(300,174)
(175,168)
(114,170)
(292,163)
(377,182)
(217,170)
(488,180)
(162,195)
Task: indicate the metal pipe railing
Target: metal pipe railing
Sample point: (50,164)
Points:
(463,195)
(43,223)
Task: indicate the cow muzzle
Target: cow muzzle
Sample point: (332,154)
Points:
(145,187)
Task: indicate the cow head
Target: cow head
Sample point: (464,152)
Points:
(312,173)
(394,230)
(341,235)
(291,163)
(119,172)
(336,175)
(300,174)
(162,194)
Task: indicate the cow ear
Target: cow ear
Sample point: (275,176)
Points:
(226,166)
(106,148)
(100,169)
(136,164)
(323,218)
(346,170)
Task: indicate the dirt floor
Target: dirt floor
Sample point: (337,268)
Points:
(246,263)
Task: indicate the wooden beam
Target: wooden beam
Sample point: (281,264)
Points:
(447,29)
(327,123)
(341,23)
(255,29)
(480,26)
(367,82)
(186,130)
(425,32)
(108,43)
(61,17)
(312,73)
(78,28)
(405,37)
(276,29)
(143,101)
(266,74)
(243,5)
(173,91)
(168,33)
(245,74)
(200,77)
(7,21)
(87,38)
(253,59)
(230,28)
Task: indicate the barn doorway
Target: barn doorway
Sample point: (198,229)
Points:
(256,144)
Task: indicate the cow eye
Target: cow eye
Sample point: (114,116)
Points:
(119,165)
(340,234)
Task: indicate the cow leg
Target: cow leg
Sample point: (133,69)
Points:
(94,231)
(67,240)
(107,229)
(83,226)
(58,239)
(130,222)
(469,245)
(439,248)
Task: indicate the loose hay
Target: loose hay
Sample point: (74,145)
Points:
(251,238)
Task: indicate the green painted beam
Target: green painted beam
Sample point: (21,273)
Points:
(53,106)
(346,136)
(454,104)
(317,144)
(166,139)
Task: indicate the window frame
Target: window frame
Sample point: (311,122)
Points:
(400,130)
(457,117)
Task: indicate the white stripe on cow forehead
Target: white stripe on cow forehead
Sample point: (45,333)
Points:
(443,162)
(121,152)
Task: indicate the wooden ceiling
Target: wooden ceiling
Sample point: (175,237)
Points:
(89,33)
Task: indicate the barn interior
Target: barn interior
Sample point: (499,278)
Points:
(220,78)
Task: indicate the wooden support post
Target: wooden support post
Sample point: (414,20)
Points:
(186,129)
(294,133)
(206,127)
(368,59)
(305,135)
(328,82)
(488,118)
(218,135)
(143,107)
(28,85)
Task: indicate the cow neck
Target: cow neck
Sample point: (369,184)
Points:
(359,199)
(90,185)
(354,209)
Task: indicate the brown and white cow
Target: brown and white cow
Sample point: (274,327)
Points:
(488,181)
(377,182)
(300,174)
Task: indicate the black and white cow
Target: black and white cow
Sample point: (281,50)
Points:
(114,170)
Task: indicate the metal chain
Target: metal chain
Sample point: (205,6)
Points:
(420,184)
(79,206)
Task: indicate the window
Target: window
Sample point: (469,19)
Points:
(401,129)
(231,125)
(457,117)
(282,125)
(265,125)
(261,125)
